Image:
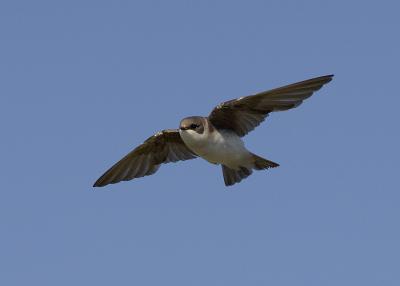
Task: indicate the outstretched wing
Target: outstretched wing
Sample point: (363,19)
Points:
(244,114)
(163,147)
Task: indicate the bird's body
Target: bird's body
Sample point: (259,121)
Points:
(217,146)
(216,138)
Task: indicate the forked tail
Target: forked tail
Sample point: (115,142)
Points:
(261,163)
(232,176)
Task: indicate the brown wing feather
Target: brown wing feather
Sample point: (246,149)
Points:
(163,147)
(244,114)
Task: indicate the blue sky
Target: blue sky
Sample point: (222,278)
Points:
(84,82)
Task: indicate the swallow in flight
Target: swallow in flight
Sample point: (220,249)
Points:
(216,138)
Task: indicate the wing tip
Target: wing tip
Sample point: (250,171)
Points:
(101,182)
(98,184)
(327,77)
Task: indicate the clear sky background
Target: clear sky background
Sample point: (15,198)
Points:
(84,82)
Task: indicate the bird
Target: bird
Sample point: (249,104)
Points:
(216,138)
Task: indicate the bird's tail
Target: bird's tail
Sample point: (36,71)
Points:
(232,176)
(261,163)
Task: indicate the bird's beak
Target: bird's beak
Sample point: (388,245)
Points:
(183,128)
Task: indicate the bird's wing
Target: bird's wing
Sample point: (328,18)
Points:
(244,114)
(163,147)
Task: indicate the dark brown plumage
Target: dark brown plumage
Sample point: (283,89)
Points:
(239,116)
(244,114)
(163,147)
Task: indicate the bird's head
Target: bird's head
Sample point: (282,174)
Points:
(192,124)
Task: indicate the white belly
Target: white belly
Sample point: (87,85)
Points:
(223,147)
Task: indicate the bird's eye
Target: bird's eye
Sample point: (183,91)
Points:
(193,126)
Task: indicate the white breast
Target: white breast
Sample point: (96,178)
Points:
(218,147)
